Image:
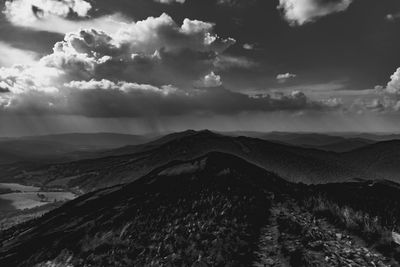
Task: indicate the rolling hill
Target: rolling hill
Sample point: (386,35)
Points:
(326,142)
(125,164)
(380,160)
(292,163)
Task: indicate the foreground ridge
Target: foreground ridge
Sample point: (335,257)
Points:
(215,210)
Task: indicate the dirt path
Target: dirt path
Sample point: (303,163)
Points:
(296,238)
(270,252)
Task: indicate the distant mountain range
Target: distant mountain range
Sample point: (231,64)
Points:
(76,146)
(63,147)
(94,169)
(129,163)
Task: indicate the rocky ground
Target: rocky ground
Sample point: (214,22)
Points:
(294,237)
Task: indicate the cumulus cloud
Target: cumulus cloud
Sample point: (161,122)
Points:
(155,50)
(393,86)
(28,11)
(299,12)
(386,98)
(145,68)
(210,80)
(390,95)
(284,77)
(163,32)
(60,16)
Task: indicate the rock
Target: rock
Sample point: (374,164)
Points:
(396,238)
(339,236)
(269,261)
(268,238)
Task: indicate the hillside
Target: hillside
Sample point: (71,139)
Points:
(345,145)
(326,142)
(380,160)
(222,199)
(215,210)
(297,164)
(292,163)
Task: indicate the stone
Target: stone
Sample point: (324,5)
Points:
(269,261)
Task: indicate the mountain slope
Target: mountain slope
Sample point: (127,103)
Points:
(380,160)
(211,208)
(292,163)
(345,145)
(324,142)
(216,210)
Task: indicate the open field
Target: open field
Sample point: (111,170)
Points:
(29,200)
(21,197)
(18,187)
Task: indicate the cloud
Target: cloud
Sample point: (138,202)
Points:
(210,80)
(282,78)
(385,99)
(392,17)
(170,1)
(105,99)
(299,12)
(393,86)
(235,3)
(155,50)
(28,11)
(389,96)
(59,16)
(224,62)
(248,46)
(3,88)
(10,55)
(145,68)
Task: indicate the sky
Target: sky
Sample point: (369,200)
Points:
(138,66)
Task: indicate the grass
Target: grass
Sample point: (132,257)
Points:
(357,221)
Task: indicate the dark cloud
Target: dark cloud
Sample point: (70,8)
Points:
(108,99)
(4,90)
